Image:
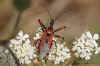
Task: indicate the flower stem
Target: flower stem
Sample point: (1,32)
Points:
(44,63)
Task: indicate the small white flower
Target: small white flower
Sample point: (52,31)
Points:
(13,41)
(6,51)
(38,35)
(77,55)
(97,50)
(35,38)
(87,58)
(21,36)
(11,45)
(88,34)
(96,36)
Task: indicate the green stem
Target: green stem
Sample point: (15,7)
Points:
(44,63)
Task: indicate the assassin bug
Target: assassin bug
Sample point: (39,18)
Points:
(46,41)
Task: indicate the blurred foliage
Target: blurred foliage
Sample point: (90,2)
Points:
(22,4)
(95,27)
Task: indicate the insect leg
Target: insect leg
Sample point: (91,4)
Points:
(59,37)
(42,25)
(61,28)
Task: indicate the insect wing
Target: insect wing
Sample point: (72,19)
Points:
(44,50)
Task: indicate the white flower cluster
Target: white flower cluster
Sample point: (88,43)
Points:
(21,46)
(86,46)
(59,53)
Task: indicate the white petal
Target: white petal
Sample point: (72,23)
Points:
(11,45)
(87,58)
(18,37)
(26,36)
(27,41)
(35,38)
(89,35)
(37,35)
(28,61)
(77,55)
(6,51)
(13,41)
(83,36)
(20,33)
(97,50)
(96,36)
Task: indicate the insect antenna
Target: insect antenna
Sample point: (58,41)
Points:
(52,20)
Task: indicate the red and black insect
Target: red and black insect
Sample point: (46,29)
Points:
(46,41)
